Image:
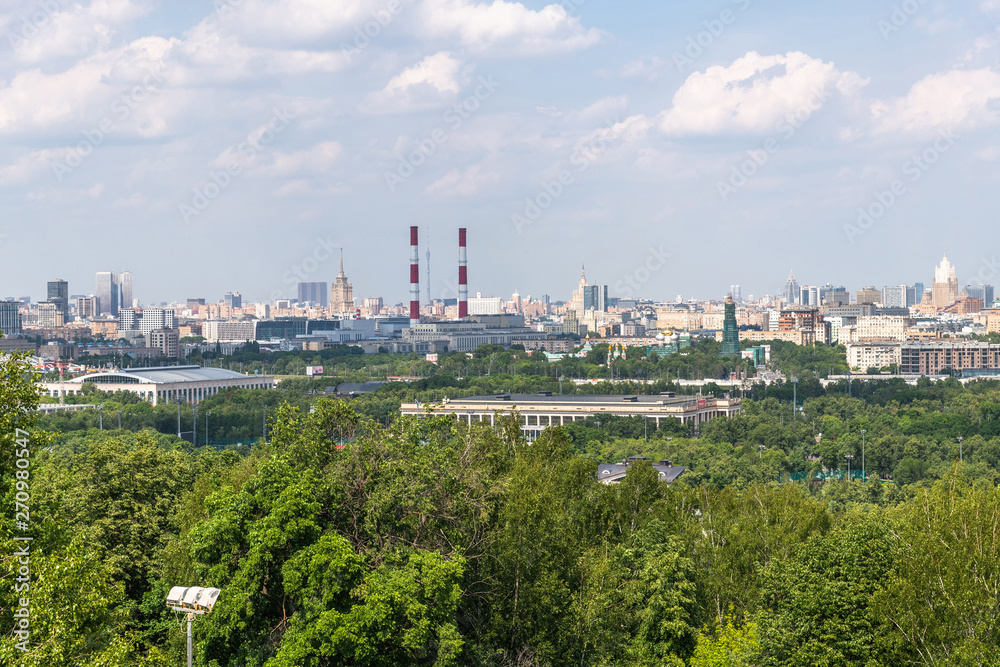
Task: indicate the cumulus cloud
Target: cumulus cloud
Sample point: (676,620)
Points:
(503,28)
(284,22)
(754,93)
(26,167)
(957,99)
(463,182)
(317,160)
(435,80)
(56,29)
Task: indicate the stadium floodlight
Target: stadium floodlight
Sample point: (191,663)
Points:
(192,600)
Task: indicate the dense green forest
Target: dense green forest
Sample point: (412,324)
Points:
(353,536)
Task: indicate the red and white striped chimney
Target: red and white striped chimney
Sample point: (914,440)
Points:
(463,276)
(414,278)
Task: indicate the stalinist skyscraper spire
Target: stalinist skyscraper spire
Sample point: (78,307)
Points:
(341,292)
(577,302)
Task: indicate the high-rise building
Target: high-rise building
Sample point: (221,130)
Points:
(165,340)
(155,318)
(58,293)
(792,295)
(897,296)
(88,307)
(10,317)
(127,319)
(341,293)
(944,292)
(595,297)
(576,301)
(125,283)
(192,304)
(834,294)
(982,292)
(869,295)
(107,292)
(373,306)
(233,300)
(314,293)
(730,332)
(50,315)
(736,293)
(810,296)
(918,290)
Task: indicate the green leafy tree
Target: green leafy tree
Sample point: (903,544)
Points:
(819,604)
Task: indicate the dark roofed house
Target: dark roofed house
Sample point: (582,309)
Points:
(356,388)
(612,473)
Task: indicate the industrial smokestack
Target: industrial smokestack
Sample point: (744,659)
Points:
(414,277)
(463,276)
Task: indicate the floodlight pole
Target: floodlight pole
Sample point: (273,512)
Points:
(190,617)
(864,471)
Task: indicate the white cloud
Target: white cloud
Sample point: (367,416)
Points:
(56,29)
(316,160)
(644,68)
(435,80)
(957,99)
(283,22)
(988,154)
(26,167)
(132,201)
(754,94)
(506,29)
(209,55)
(463,182)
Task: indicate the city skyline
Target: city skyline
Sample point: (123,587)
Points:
(340,282)
(844,137)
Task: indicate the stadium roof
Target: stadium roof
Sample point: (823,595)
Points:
(161,375)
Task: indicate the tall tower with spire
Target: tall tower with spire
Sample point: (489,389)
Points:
(341,292)
(944,291)
(793,295)
(577,302)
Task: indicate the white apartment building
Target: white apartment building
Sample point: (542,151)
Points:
(862,355)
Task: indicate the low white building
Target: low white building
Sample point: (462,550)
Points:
(862,355)
(189,384)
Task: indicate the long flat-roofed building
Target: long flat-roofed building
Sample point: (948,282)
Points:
(539,411)
(964,358)
(168,383)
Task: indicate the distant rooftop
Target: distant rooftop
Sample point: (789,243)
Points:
(612,473)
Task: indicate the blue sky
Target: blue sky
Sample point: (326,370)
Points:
(209,147)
